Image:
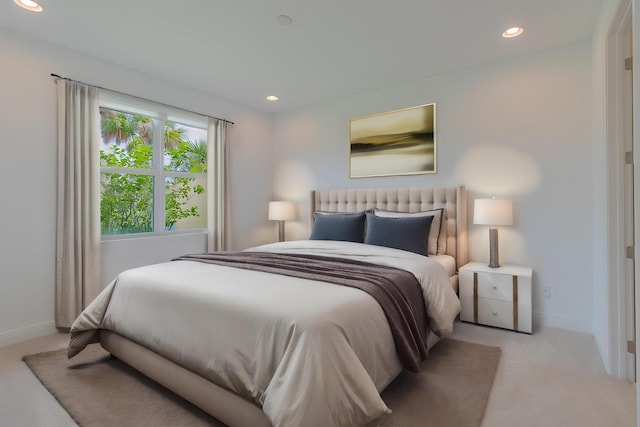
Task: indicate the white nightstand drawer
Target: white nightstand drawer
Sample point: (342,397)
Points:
(495,286)
(495,313)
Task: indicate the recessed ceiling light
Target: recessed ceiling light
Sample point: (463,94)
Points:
(512,32)
(29,5)
(284,19)
(272,98)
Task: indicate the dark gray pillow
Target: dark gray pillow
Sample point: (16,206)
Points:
(343,227)
(407,233)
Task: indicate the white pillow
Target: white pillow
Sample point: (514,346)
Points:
(437,240)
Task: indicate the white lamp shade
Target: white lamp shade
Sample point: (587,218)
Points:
(282,211)
(493,212)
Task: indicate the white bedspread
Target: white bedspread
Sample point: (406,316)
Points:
(310,353)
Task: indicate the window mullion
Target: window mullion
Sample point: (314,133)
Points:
(126,171)
(158,166)
(184,174)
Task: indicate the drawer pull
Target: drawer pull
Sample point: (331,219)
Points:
(495,288)
(495,313)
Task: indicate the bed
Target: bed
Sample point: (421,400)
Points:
(302,352)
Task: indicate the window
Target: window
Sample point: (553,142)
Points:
(153,172)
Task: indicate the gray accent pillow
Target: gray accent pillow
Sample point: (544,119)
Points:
(342,227)
(406,233)
(436,244)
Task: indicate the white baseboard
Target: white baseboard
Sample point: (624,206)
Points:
(555,321)
(27,333)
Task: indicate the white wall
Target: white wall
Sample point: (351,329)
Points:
(519,128)
(28,173)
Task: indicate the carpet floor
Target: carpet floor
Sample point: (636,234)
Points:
(97,390)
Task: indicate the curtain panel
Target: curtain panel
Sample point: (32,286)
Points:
(78,210)
(217,183)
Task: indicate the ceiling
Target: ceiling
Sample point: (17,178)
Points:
(235,49)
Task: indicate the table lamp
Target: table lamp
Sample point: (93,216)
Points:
(493,212)
(281,212)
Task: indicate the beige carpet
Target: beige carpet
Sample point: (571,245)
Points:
(97,390)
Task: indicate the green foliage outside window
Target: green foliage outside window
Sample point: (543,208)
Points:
(126,204)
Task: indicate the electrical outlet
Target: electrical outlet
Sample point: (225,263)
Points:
(546,292)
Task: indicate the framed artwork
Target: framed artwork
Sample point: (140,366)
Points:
(400,142)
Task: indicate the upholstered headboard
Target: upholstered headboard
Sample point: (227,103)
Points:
(413,199)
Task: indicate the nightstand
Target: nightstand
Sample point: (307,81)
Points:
(499,297)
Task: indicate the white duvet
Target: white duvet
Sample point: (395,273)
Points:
(310,353)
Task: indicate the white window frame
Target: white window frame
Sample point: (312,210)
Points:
(159,114)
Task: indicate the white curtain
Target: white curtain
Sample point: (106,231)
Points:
(217,185)
(78,215)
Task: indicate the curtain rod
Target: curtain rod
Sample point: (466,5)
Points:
(139,97)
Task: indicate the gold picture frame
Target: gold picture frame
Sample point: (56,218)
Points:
(399,142)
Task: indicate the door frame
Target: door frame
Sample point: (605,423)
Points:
(615,149)
(635,40)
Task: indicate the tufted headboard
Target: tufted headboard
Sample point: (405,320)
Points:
(413,199)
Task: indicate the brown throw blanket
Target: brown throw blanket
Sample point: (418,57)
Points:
(397,291)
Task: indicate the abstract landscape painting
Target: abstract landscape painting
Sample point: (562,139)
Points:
(400,142)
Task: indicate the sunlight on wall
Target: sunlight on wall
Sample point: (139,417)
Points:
(293,180)
(498,170)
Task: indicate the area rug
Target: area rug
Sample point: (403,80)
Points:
(97,390)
